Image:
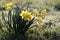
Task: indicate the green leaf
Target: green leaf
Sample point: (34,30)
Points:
(3,16)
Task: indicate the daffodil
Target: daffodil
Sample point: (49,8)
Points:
(9,5)
(26,15)
(40,20)
(22,14)
(35,12)
(43,16)
(44,12)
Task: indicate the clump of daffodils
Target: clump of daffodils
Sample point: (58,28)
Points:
(26,15)
(9,5)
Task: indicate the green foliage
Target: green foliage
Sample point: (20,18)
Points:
(57,5)
(2,8)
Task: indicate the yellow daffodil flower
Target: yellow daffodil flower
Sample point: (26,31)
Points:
(9,5)
(40,20)
(44,12)
(43,16)
(26,15)
(35,12)
(22,14)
